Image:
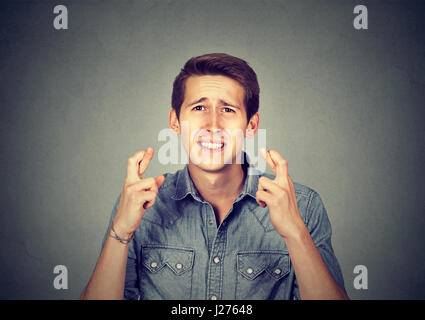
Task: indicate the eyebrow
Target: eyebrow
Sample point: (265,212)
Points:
(223,102)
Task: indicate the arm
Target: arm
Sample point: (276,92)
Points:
(312,248)
(313,276)
(314,279)
(107,281)
(138,194)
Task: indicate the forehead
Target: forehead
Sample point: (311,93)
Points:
(214,87)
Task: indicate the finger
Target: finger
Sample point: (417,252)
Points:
(281,167)
(263,198)
(266,184)
(133,166)
(144,162)
(292,187)
(269,161)
(148,199)
(159,180)
(147,184)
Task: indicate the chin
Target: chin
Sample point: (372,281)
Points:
(211,167)
(208,164)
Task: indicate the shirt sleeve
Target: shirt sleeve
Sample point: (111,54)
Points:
(320,230)
(131,290)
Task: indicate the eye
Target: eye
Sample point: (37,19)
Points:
(228,110)
(195,108)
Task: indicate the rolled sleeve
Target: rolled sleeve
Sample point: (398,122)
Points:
(320,230)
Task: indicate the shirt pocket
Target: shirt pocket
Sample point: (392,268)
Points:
(166,272)
(261,274)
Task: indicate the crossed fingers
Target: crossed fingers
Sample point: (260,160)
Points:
(282,184)
(278,165)
(137,165)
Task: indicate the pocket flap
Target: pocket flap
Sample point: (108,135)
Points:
(179,260)
(251,264)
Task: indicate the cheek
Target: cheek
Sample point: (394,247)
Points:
(188,136)
(238,134)
(237,144)
(185,132)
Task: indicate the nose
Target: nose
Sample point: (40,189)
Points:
(212,126)
(215,129)
(213,123)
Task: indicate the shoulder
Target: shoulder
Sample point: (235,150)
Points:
(170,181)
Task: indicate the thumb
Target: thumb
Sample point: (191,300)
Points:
(159,180)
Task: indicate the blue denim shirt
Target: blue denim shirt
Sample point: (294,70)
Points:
(178,252)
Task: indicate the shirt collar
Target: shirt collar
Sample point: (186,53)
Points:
(185,185)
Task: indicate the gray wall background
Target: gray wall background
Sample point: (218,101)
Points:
(344,107)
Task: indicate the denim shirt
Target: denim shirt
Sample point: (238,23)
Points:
(178,252)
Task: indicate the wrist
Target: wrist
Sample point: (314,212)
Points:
(299,232)
(121,230)
(114,234)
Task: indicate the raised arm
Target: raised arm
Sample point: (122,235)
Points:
(138,194)
(314,279)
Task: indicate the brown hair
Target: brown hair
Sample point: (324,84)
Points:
(218,64)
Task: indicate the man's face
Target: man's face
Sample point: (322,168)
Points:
(213,121)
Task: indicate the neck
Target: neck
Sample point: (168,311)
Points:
(218,186)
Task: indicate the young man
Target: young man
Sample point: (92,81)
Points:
(210,230)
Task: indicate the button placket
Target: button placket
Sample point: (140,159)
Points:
(215,267)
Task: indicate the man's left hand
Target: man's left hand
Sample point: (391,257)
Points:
(279,196)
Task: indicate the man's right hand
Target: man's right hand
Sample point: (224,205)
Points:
(137,195)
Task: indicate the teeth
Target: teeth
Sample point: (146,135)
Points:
(212,145)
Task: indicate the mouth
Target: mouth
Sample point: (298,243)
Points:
(211,146)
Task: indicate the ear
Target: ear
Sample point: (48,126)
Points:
(253,124)
(174,121)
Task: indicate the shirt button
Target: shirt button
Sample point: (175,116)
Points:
(210,222)
(154,264)
(216,259)
(179,265)
(213,297)
(277,271)
(249,270)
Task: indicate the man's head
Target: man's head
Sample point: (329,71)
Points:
(216,96)
(219,64)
